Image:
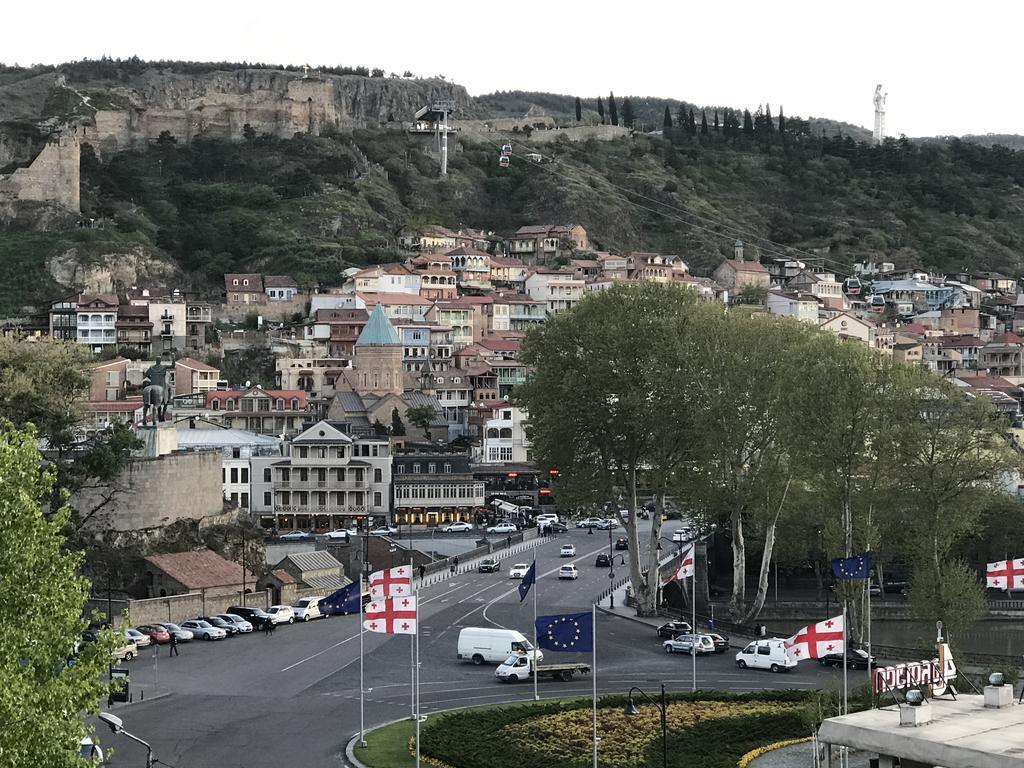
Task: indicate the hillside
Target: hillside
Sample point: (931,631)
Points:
(187,211)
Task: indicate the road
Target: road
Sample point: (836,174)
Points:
(293,698)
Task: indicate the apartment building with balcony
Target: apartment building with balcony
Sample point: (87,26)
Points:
(458,317)
(330,478)
(435,487)
(64,319)
(169,326)
(264,411)
(524,312)
(504,440)
(542,244)
(560,290)
(198,317)
(96,321)
(134,330)
(454,393)
(194,377)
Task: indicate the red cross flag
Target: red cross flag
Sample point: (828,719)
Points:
(1005,574)
(817,640)
(391,616)
(394,582)
(685,569)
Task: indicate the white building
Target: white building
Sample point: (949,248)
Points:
(559,290)
(238,450)
(96,321)
(788,304)
(505,438)
(390,279)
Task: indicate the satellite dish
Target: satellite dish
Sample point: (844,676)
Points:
(248,384)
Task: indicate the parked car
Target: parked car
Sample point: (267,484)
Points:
(671,629)
(340,535)
(126,652)
(156,632)
(567,550)
(568,572)
(547,518)
(518,570)
(295,536)
(459,527)
(589,522)
(307,608)
(766,654)
(180,634)
(855,659)
(503,528)
(281,614)
(607,524)
(227,626)
(721,642)
(204,630)
(680,535)
(255,616)
(686,643)
(489,565)
(385,530)
(140,640)
(621,543)
(556,527)
(603,561)
(244,626)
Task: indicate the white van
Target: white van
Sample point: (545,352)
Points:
(480,644)
(547,517)
(766,654)
(308,608)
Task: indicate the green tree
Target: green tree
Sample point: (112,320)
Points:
(752,294)
(782,122)
(681,117)
(379,429)
(703,123)
(666,122)
(716,121)
(249,133)
(422,416)
(256,364)
(952,595)
(748,123)
(579,109)
(768,124)
(628,117)
(613,110)
(397,425)
(41,619)
(600,109)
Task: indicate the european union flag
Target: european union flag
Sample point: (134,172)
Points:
(528,581)
(856,567)
(345,600)
(566,632)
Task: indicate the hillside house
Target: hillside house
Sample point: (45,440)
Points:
(801,306)
(96,321)
(559,289)
(193,376)
(202,571)
(542,244)
(244,289)
(736,274)
(280,287)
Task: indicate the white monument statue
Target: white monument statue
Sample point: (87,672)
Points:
(880,98)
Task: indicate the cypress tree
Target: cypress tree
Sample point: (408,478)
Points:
(782,121)
(613,110)
(768,124)
(667,122)
(748,123)
(681,120)
(691,125)
(716,121)
(397,425)
(600,109)
(579,110)
(628,117)
(703,123)
(759,120)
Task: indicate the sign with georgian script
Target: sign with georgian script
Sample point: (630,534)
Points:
(935,673)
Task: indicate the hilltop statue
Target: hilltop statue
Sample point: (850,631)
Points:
(878,134)
(155,393)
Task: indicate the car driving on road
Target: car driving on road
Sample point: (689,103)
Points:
(589,522)
(855,659)
(204,630)
(622,543)
(518,570)
(568,572)
(488,565)
(385,530)
(556,527)
(672,629)
(294,536)
(567,550)
(686,643)
(766,654)
(503,528)
(721,642)
(603,561)
(460,527)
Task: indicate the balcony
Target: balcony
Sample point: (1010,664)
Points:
(321,485)
(330,509)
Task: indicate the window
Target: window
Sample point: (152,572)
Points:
(400,469)
(245,477)
(303,452)
(245,501)
(234,474)
(295,403)
(234,498)
(373,450)
(431,468)
(267,475)
(267,501)
(378,476)
(236,453)
(447,468)
(215,405)
(235,281)
(763,650)
(339,453)
(415,469)
(245,282)
(279,404)
(377,499)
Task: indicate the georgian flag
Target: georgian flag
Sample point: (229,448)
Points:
(685,569)
(393,582)
(816,640)
(1005,574)
(391,616)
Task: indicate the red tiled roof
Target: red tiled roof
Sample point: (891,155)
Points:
(746,266)
(1008,338)
(201,569)
(283,576)
(463,250)
(279,281)
(195,365)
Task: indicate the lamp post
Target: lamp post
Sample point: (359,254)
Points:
(116,725)
(631,710)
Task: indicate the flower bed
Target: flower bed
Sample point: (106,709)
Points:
(705,731)
(753,754)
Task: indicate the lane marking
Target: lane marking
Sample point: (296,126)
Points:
(320,653)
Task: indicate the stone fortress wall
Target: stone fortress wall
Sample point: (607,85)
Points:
(52,178)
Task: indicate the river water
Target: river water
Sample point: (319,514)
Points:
(999,636)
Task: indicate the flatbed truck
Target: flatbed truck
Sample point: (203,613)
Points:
(520,667)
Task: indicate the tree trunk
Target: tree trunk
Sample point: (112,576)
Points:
(646,597)
(739,567)
(766,565)
(819,582)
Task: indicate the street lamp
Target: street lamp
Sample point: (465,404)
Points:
(117,726)
(630,710)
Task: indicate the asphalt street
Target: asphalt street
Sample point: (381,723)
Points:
(293,698)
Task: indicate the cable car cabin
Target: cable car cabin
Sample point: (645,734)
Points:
(877,303)
(852,286)
(506,150)
(503,161)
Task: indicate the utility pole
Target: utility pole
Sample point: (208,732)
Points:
(443,106)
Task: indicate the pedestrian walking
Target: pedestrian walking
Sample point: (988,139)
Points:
(423,572)
(174,645)
(270,626)
(267,624)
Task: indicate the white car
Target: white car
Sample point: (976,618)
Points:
(90,750)
(126,652)
(460,527)
(567,550)
(307,608)
(294,536)
(204,630)
(281,614)
(140,640)
(182,635)
(547,517)
(386,530)
(233,618)
(682,535)
(518,570)
(590,522)
(685,644)
(503,528)
(568,572)
(340,535)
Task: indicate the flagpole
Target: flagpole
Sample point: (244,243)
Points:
(869,638)
(362,687)
(845,665)
(536,664)
(412,649)
(693,607)
(416,638)
(593,672)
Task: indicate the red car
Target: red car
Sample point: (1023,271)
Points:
(158,632)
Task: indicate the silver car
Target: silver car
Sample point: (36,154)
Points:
(204,630)
(686,644)
(243,625)
(179,634)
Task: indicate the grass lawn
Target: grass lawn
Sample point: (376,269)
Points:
(388,747)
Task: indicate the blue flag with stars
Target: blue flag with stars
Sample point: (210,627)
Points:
(345,600)
(528,581)
(856,567)
(572,632)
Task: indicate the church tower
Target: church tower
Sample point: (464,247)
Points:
(378,357)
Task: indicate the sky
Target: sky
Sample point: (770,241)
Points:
(947,68)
